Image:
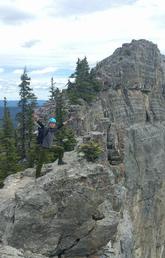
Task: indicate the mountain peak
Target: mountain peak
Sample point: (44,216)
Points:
(134,65)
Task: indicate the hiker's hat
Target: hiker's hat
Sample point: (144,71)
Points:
(52,120)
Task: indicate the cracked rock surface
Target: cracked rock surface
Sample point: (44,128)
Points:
(59,213)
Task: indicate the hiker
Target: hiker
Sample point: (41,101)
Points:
(45,141)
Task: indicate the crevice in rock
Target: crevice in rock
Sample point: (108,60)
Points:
(121,247)
(98,216)
(61,252)
(148,119)
(13,216)
(127,100)
(134,147)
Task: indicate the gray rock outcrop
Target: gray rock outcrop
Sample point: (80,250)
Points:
(61,213)
(132,101)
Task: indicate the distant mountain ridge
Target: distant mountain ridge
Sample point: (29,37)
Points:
(14,103)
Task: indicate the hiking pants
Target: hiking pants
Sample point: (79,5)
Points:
(58,152)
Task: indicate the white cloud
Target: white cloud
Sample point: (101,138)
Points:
(72,80)
(9,89)
(10,14)
(44,70)
(30,43)
(2,70)
(79,7)
(41,87)
(18,71)
(94,30)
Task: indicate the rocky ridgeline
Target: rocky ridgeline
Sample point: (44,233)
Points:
(112,208)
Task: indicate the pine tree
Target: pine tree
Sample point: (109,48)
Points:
(54,97)
(72,92)
(65,135)
(82,70)
(59,106)
(27,104)
(9,157)
(85,86)
(52,89)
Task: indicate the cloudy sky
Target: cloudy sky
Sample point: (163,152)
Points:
(47,36)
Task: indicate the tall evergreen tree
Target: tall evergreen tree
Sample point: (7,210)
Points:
(8,157)
(85,86)
(52,89)
(65,135)
(27,104)
(82,70)
(59,106)
(54,97)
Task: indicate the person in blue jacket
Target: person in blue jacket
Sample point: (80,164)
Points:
(45,141)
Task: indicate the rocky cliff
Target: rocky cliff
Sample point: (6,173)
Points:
(130,111)
(115,207)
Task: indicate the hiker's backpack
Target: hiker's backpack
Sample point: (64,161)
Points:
(42,132)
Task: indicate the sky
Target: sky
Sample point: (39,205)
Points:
(48,36)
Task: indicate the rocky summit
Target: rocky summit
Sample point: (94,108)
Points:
(115,206)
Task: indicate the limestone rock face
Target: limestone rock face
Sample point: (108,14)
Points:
(133,66)
(145,166)
(62,212)
(132,102)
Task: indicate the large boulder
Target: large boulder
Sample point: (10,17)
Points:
(61,212)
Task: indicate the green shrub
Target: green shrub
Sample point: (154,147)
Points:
(91,150)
